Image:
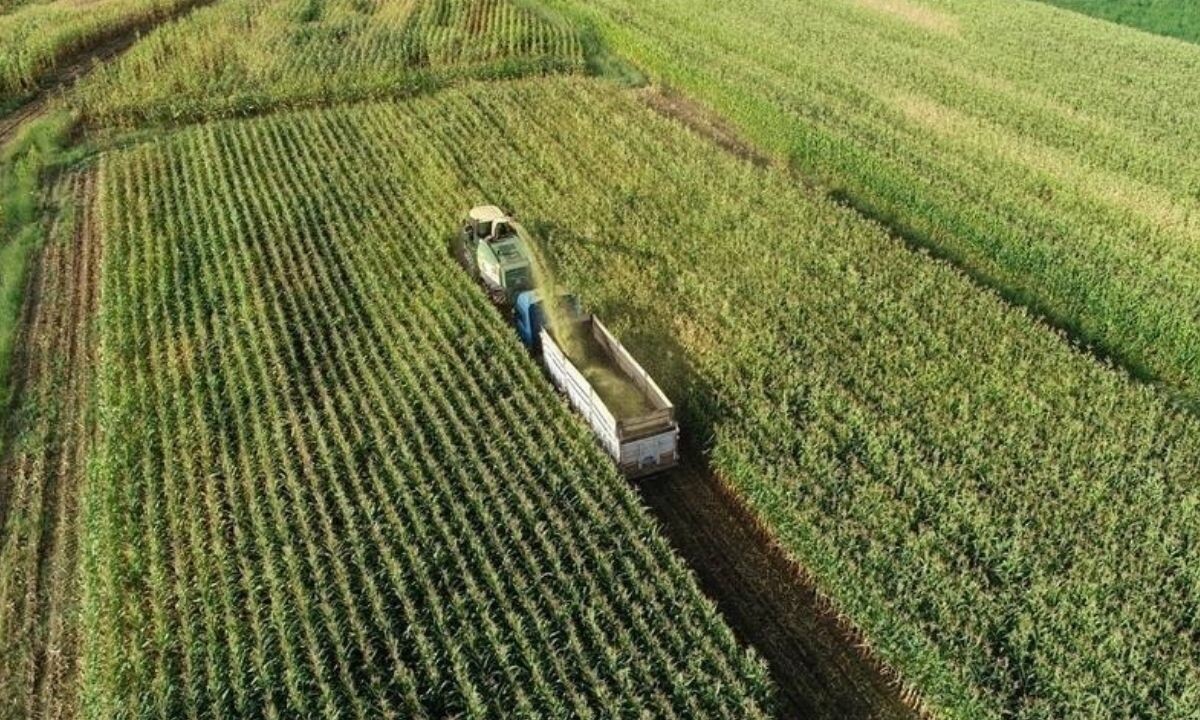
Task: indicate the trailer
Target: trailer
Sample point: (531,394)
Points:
(631,416)
(633,419)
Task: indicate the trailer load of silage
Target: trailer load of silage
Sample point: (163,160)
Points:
(618,391)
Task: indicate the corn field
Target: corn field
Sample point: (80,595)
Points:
(309,51)
(299,466)
(36,37)
(1008,519)
(330,480)
(1050,155)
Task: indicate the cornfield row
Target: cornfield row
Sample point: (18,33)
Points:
(35,38)
(1009,520)
(1051,155)
(330,480)
(302,52)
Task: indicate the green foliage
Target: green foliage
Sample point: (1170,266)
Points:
(36,38)
(23,165)
(330,480)
(303,52)
(1050,156)
(599,60)
(1174,18)
(1008,519)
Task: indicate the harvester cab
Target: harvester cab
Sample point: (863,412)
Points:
(492,247)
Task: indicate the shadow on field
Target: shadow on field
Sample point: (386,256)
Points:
(818,665)
(814,662)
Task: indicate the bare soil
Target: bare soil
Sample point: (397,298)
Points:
(818,662)
(43,472)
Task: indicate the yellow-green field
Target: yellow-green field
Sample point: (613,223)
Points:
(1049,155)
(931,324)
(36,38)
(307,52)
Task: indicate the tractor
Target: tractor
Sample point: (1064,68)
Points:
(491,247)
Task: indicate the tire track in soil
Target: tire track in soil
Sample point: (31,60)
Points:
(819,666)
(11,123)
(53,367)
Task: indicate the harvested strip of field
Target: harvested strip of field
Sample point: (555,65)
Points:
(1050,156)
(27,162)
(1006,518)
(816,663)
(305,52)
(42,473)
(330,481)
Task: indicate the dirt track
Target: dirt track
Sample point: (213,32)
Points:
(671,104)
(11,123)
(49,436)
(814,661)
